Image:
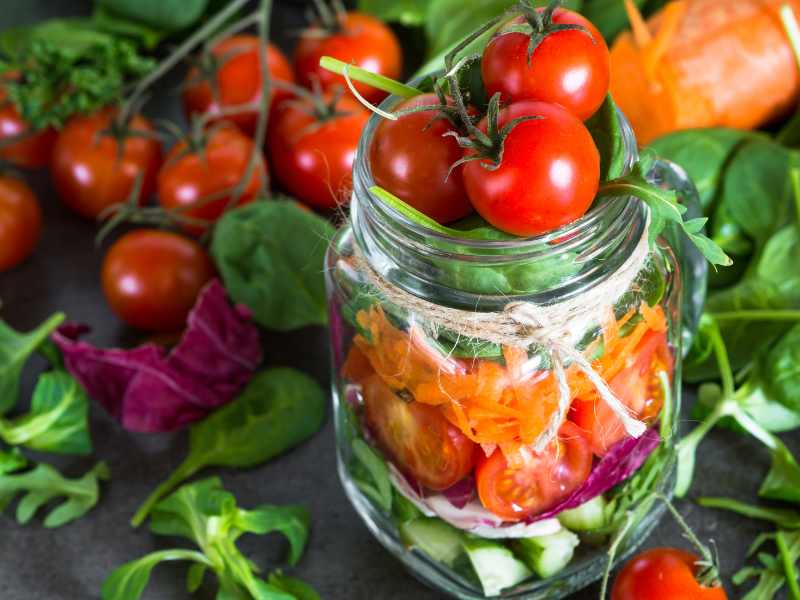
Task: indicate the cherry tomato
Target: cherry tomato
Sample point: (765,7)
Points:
(411,158)
(663,574)
(516,493)
(151,278)
(237,79)
(417,437)
(312,157)
(31,150)
(360,40)
(570,68)
(548,177)
(638,386)
(189,176)
(20,222)
(88,171)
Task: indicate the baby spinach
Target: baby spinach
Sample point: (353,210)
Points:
(271,256)
(780,370)
(278,410)
(43,484)
(207,515)
(15,349)
(58,419)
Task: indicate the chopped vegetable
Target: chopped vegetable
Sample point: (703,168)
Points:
(585,517)
(280,409)
(43,484)
(207,515)
(547,555)
(495,565)
(149,390)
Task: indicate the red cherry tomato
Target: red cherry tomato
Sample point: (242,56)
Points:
(548,177)
(88,171)
(237,78)
(29,150)
(516,493)
(20,222)
(189,176)
(312,158)
(570,68)
(417,437)
(638,386)
(663,574)
(360,40)
(152,278)
(412,158)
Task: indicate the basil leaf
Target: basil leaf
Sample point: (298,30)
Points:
(280,409)
(43,484)
(15,349)
(169,15)
(129,581)
(58,419)
(271,256)
(606,131)
(291,521)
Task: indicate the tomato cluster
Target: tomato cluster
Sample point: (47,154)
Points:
(544,172)
(102,161)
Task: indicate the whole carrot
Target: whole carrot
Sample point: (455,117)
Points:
(703,63)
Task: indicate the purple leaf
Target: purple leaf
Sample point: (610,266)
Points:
(461,493)
(150,390)
(620,463)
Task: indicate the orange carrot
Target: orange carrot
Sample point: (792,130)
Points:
(704,63)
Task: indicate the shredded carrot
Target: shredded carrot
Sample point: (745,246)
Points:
(492,404)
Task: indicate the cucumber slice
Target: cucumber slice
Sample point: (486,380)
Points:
(434,537)
(586,517)
(495,565)
(547,554)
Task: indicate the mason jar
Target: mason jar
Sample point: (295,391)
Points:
(505,409)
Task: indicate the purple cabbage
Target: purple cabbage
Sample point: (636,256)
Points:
(620,463)
(461,493)
(150,390)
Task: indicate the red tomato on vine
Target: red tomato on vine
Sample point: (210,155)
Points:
(230,77)
(20,221)
(18,144)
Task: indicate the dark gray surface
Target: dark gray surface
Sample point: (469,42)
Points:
(343,561)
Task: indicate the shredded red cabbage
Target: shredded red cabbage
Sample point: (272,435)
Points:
(620,463)
(150,390)
(461,493)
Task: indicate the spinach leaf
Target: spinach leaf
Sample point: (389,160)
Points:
(407,12)
(271,256)
(43,484)
(15,349)
(207,515)
(780,368)
(704,154)
(278,410)
(58,419)
(169,15)
(129,581)
(605,128)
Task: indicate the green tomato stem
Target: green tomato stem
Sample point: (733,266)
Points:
(183,472)
(788,566)
(390,86)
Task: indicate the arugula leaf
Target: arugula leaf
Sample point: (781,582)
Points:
(280,409)
(58,421)
(15,349)
(43,484)
(272,258)
(606,131)
(129,581)
(781,517)
(207,515)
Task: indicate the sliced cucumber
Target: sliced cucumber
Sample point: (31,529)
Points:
(434,537)
(547,554)
(495,565)
(586,517)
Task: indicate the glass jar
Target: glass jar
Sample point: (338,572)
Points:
(443,425)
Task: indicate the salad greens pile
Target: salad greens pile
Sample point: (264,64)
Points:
(207,515)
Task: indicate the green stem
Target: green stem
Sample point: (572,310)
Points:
(390,86)
(723,361)
(757,315)
(783,518)
(180,53)
(788,566)
(183,472)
